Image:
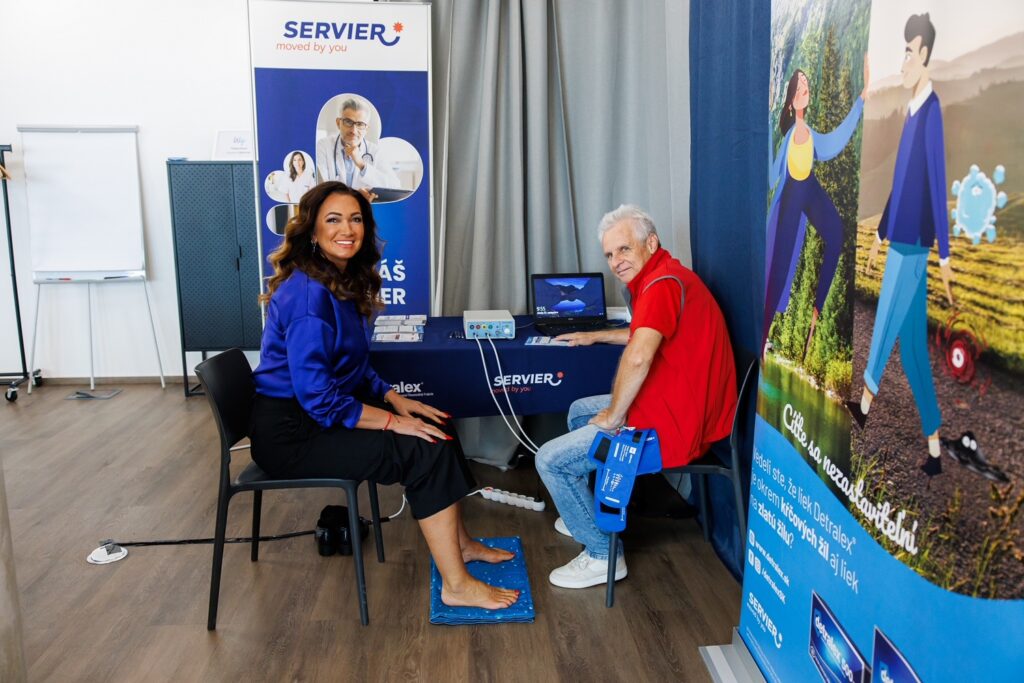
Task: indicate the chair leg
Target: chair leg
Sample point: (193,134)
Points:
(257,509)
(378,535)
(357,554)
(705,522)
(218,557)
(613,559)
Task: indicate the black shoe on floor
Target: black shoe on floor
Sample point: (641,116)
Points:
(932,466)
(858,415)
(966,451)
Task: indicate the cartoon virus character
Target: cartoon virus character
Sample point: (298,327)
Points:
(976,203)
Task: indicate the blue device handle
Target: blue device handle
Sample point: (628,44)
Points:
(620,458)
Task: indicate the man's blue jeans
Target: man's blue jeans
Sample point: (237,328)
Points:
(564,467)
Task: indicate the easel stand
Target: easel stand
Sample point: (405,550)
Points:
(89,284)
(17,378)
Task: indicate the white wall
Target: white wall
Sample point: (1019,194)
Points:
(180,71)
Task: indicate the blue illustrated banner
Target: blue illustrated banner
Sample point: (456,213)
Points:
(885,536)
(342,92)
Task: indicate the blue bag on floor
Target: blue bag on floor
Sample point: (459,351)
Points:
(510,574)
(620,459)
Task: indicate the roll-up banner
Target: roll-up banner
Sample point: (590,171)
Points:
(886,535)
(341,91)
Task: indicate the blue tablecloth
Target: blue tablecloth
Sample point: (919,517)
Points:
(447,373)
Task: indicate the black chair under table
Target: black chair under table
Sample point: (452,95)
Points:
(228,382)
(723,458)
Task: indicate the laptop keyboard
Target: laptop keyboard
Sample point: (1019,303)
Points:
(555,329)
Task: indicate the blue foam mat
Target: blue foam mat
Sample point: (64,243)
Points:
(511,574)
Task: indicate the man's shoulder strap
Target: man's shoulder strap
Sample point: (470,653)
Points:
(629,299)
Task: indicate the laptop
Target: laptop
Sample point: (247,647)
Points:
(568,302)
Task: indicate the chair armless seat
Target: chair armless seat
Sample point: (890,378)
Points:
(228,383)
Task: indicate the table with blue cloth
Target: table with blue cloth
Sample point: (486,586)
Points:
(446,372)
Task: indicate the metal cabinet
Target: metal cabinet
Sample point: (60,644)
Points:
(216,256)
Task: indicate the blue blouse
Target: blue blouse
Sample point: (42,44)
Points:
(316,349)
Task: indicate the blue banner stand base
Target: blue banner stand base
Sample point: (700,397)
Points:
(731,663)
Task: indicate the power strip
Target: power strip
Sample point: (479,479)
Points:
(513,499)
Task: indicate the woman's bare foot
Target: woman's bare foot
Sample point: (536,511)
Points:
(474,593)
(475,550)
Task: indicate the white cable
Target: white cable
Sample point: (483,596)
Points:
(400,510)
(487,381)
(511,410)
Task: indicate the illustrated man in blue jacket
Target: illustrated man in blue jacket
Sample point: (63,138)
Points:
(915,217)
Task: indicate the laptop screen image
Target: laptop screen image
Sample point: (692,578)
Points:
(568,297)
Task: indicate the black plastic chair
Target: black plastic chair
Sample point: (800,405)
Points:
(723,458)
(227,379)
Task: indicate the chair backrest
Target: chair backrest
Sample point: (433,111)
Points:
(227,380)
(746,375)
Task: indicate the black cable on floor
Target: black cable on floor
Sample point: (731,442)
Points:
(237,539)
(199,541)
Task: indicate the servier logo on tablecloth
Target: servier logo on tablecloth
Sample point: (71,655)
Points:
(533,378)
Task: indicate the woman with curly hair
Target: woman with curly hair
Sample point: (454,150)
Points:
(321,410)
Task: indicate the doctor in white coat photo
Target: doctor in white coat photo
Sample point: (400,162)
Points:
(347,155)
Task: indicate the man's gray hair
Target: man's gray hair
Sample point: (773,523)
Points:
(351,103)
(643,224)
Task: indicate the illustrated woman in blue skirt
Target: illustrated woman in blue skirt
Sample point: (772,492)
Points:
(799,197)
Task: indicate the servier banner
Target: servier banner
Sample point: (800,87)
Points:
(342,92)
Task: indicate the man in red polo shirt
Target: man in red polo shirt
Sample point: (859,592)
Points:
(677,375)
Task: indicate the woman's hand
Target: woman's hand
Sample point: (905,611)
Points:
(408,407)
(413,426)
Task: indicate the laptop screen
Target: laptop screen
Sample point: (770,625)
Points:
(568,296)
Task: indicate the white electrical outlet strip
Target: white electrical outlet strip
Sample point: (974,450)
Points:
(514,499)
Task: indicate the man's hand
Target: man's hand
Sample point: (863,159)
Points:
(947,280)
(873,256)
(369,194)
(606,421)
(619,335)
(578,338)
(355,156)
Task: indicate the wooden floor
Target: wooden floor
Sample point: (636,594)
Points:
(143,466)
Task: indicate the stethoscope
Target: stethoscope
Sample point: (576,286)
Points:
(367,157)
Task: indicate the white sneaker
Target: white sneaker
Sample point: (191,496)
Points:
(583,571)
(561,528)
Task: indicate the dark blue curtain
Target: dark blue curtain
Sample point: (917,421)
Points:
(729,59)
